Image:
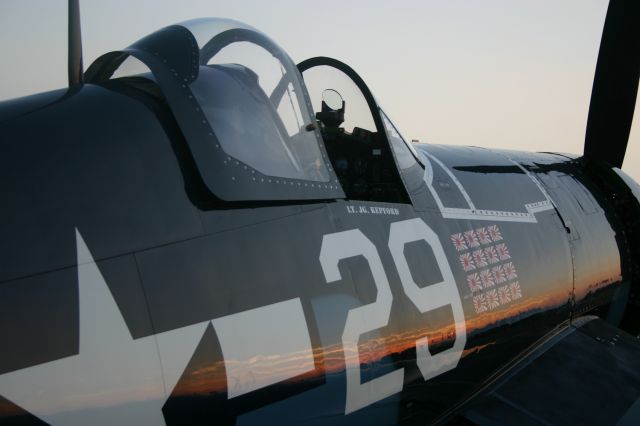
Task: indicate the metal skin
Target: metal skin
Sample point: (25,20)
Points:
(129,294)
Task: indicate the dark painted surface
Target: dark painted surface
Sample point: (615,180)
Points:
(576,371)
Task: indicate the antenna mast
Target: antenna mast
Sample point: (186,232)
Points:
(75,44)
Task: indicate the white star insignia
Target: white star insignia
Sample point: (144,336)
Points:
(114,379)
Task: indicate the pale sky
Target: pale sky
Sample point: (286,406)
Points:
(513,74)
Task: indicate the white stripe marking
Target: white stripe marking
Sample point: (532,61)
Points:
(264,346)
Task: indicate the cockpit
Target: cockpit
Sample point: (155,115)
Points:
(353,131)
(259,127)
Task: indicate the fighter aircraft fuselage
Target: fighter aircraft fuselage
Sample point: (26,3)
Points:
(391,291)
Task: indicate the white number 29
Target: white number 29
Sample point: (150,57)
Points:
(363,319)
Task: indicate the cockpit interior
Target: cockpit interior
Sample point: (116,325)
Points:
(360,157)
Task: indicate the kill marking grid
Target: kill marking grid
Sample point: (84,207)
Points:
(491,275)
